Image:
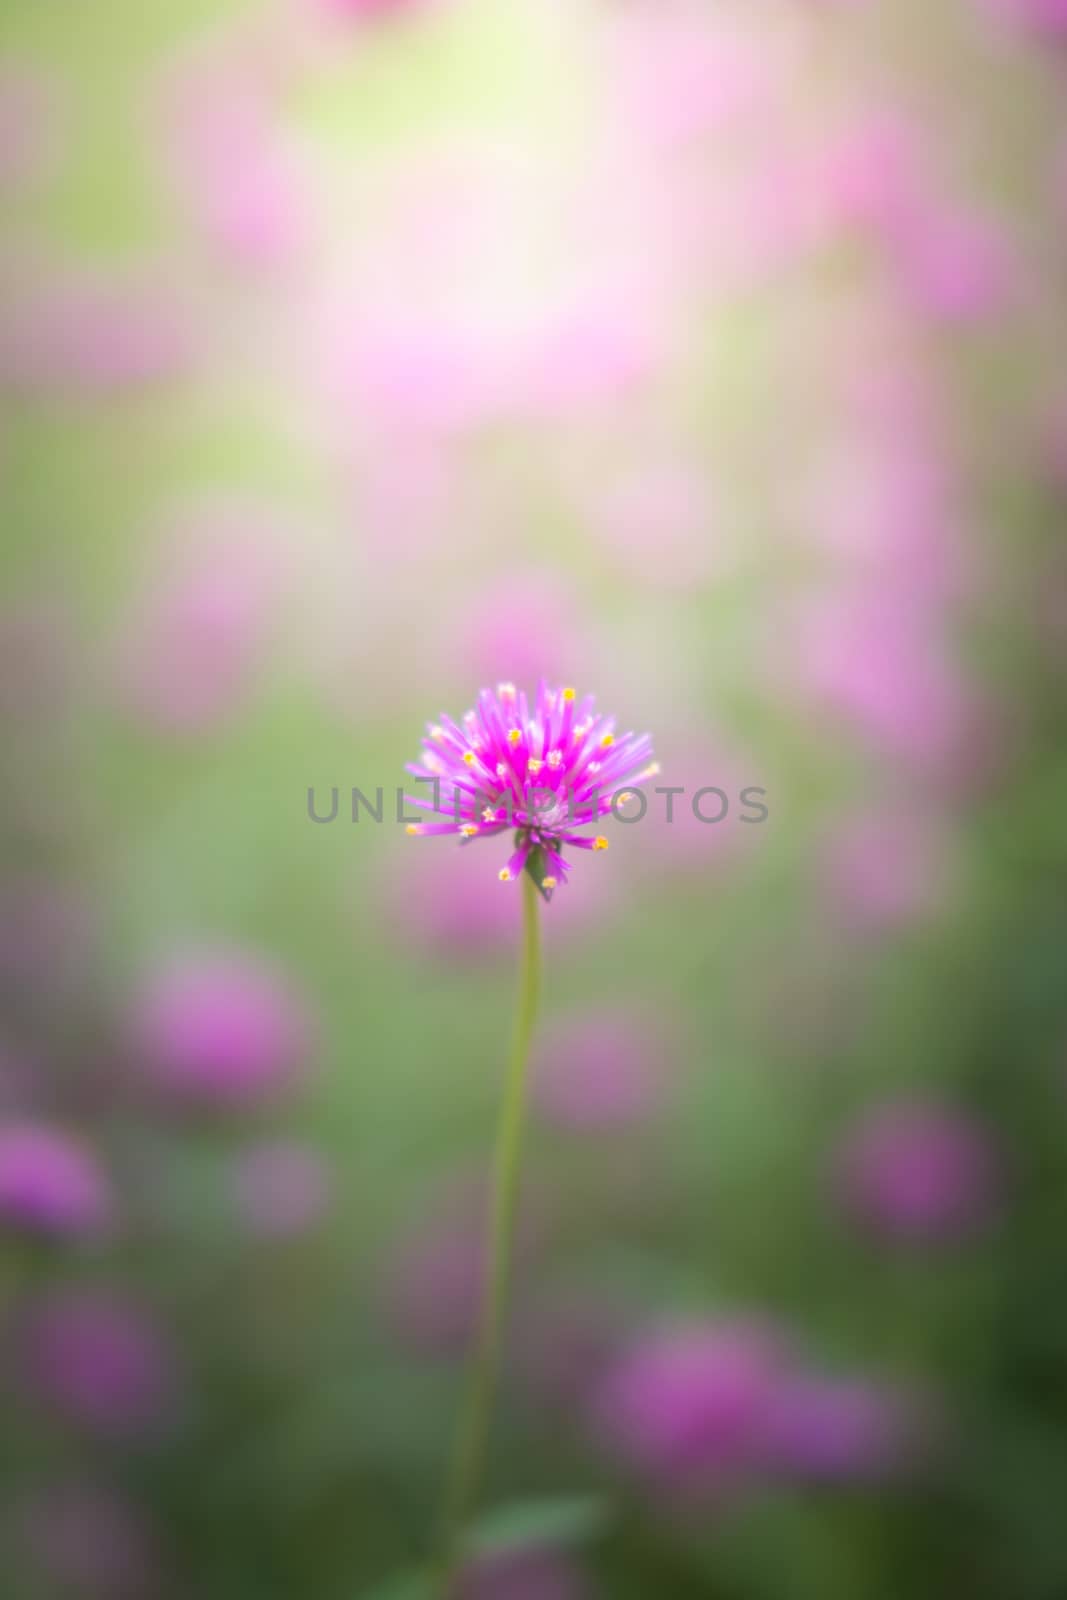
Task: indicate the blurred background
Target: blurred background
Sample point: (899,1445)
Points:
(356,354)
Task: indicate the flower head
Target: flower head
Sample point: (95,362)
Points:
(919,1172)
(50,1184)
(97,1361)
(544,771)
(222,1030)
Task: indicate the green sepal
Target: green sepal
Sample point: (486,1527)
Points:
(538,868)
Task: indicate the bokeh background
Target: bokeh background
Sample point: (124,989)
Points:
(356,354)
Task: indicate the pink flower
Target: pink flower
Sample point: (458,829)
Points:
(919,1172)
(830,1428)
(687,1407)
(1046,18)
(369,10)
(98,1361)
(50,1183)
(961,269)
(221,1030)
(545,771)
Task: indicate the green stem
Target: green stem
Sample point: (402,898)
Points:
(468,1461)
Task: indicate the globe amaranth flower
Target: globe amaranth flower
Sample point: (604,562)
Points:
(50,1183)
(543,771)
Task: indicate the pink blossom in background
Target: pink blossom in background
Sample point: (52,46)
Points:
(888,869)
(872,175)
(599,1070)
(280,1189)
(523,1575)
(99,1361)
(369,10)
(1046,18)
(236,177)
(82,1537)
(222,1031)
(960,268)
(88,334)
(596,349)
(205,613)
(686,1407)
(27,123)
(828,1428)
(51,1184)
(918,1172)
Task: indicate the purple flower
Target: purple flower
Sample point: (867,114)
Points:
(50,1183)
(600,1070)
(98,1361)
(223,1030)
(280,1189)
(916,1171)
(686,1407)
(835,1428)
(543,772)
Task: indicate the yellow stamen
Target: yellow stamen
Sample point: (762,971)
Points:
(625,798)
(535,764)
(568,694)
(488,815)
(514,735)
(505,874)
(437,732)
(652,770)
(607,741)
(413,828)
(548,883)
(600,843)
(469,830)
(468,757)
